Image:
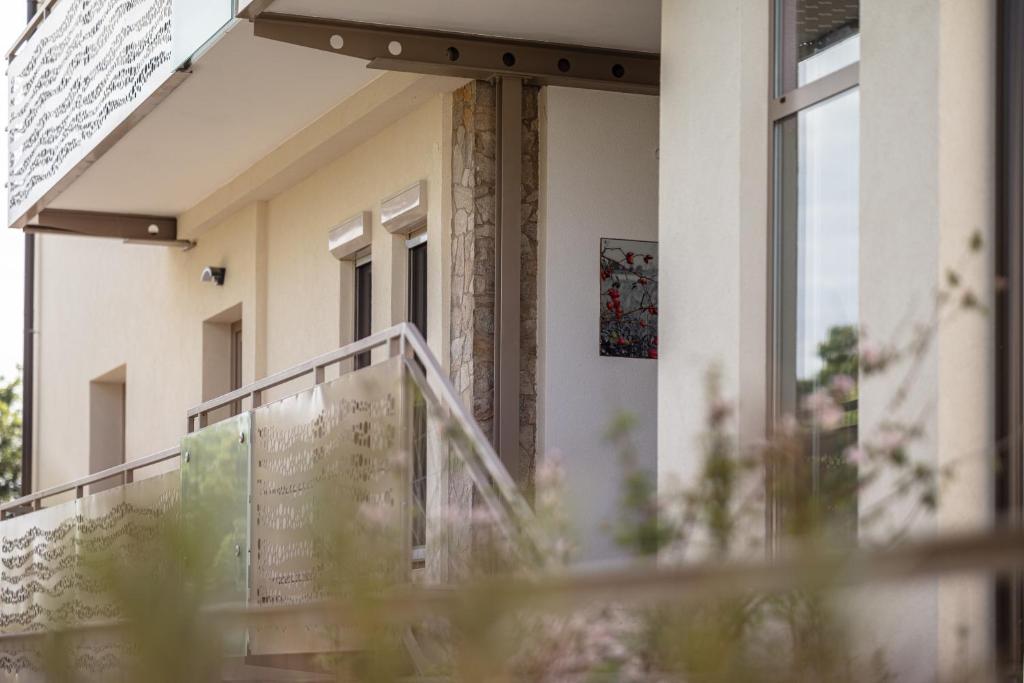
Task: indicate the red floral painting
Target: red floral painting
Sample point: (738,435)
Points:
(629,298)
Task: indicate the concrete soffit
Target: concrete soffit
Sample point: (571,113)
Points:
(377,105)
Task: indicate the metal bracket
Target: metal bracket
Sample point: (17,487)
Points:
(132,228)
(468,56)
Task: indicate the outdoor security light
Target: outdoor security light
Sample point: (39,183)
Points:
(213,274)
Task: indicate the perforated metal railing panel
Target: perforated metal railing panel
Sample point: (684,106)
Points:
(46,582)
(330,510)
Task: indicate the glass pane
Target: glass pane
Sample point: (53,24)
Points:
(215,511)
(364,294)
(816,38)
(817,195)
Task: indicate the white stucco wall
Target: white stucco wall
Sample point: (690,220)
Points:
(599,178)
(927,74)
(102,304)
(927,183)
(713,214)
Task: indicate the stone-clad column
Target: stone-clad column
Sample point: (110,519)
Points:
(474,146)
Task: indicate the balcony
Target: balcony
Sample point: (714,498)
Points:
(177,110)
(387,451)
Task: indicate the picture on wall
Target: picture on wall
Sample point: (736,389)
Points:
(629,298)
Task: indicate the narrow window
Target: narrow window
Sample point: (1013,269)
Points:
(418,281)
(107,410)
(236,363)
(816,248)
(417,302)
(363,305)
(222,360)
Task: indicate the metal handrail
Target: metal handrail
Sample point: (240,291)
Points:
(317,366)
(402,339)
(125,470)
(42,12)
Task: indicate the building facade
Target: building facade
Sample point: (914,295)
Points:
(220,191)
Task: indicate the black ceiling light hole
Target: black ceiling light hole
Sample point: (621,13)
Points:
(564,65)
(508,59)
(453,54)
(618,71)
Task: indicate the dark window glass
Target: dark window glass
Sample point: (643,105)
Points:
(814,39)
(363,295)
(418,317)
(418,287)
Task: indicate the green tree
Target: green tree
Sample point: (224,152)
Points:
(838,353)
(10,438)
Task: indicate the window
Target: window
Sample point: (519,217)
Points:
(418,281)
(363,305)
(107,424)
(417,246)
(816,244)
(222,359)
(236,363)
(814,39)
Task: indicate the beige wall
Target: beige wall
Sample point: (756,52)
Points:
(103,304)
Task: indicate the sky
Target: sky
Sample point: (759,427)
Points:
(12,20)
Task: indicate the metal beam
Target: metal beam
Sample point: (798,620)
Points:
(468,56)
(137,229)
(101,147)
(508,231)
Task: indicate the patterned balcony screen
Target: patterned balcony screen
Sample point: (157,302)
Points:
(44,558)
(331,508)
(81,74)
(86,70)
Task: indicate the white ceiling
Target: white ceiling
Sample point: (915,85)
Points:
(243,99)
(619,24)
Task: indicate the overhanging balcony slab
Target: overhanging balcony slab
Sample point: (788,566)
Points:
(243,98)
(616,24)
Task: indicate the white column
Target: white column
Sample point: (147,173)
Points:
(927,182)
(713,220)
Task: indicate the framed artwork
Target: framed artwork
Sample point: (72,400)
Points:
(629,298)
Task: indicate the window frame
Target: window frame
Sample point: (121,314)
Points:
(1008,484)
(782,105)
(416,250)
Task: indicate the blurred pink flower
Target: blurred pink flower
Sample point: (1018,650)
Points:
(890,440)
(823,409)
(856,455)
(843,385)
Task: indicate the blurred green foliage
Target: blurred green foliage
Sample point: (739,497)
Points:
(10,438)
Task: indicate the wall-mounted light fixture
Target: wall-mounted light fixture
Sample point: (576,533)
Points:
(406,211)
(213,274)
(350,236)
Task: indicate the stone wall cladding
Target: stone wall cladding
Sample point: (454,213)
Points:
(474,148)
(528,285)
(474,153)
